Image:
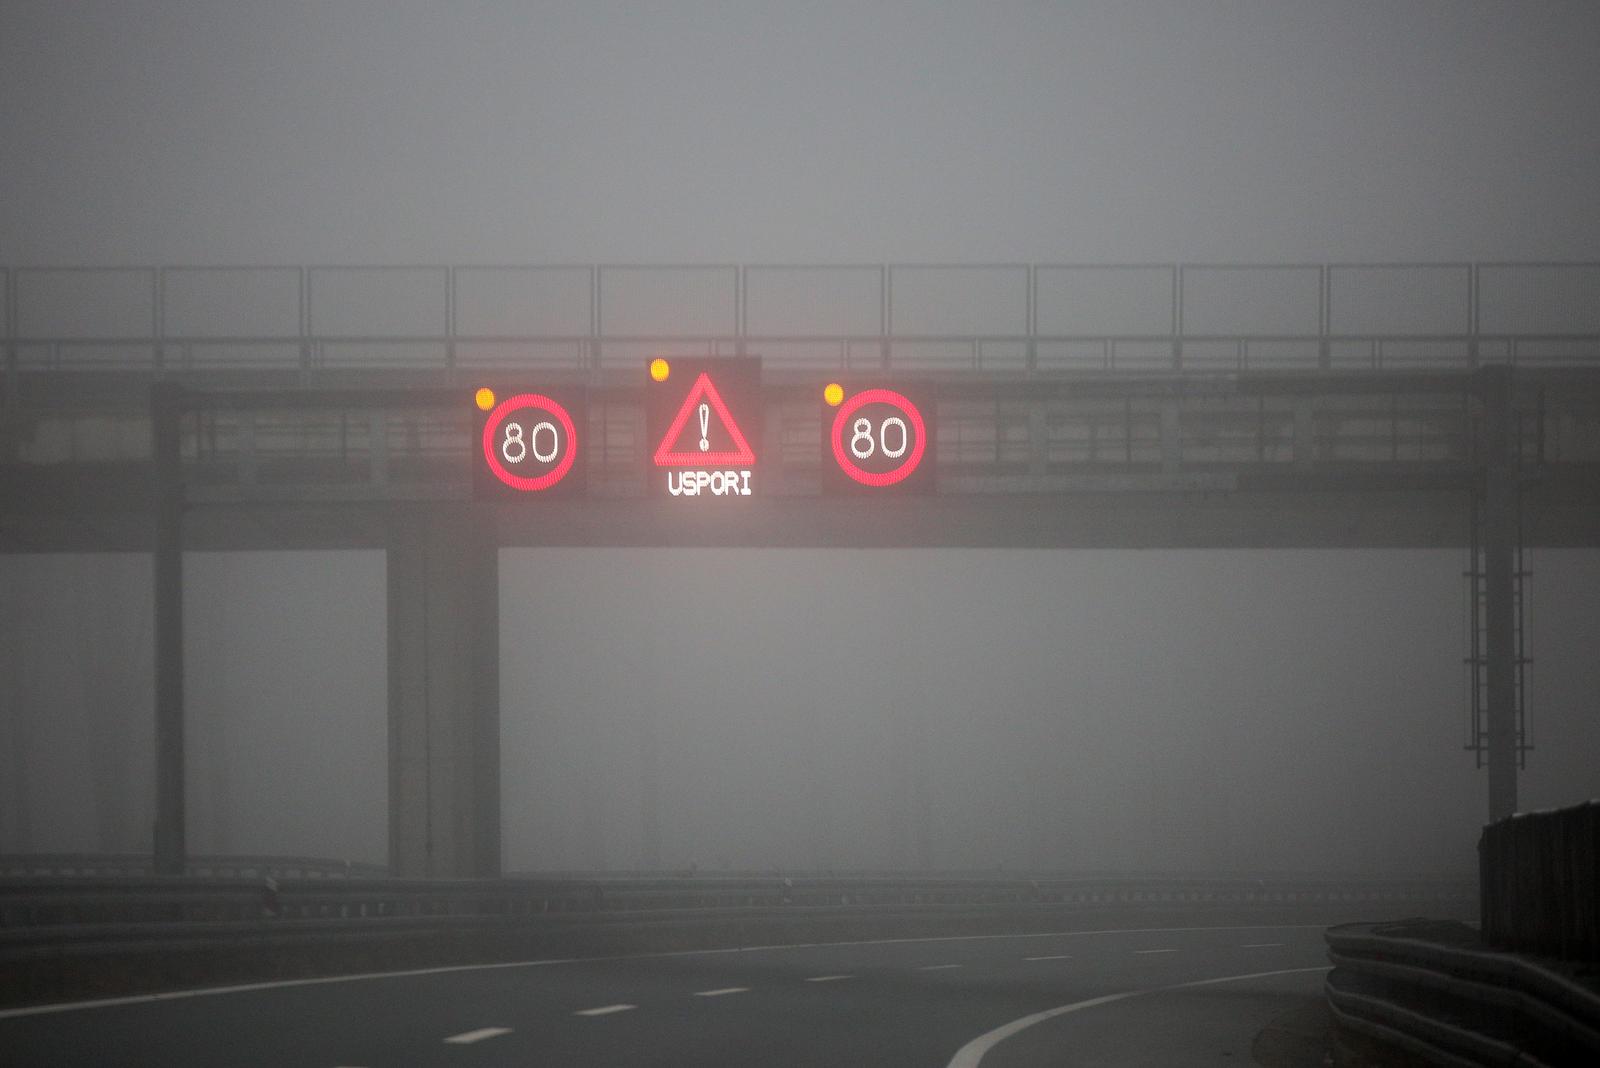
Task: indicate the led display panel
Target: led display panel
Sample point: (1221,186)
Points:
(878,440)
(528,443)
(703,419)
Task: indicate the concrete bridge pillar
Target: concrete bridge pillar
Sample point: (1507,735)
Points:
(444,693)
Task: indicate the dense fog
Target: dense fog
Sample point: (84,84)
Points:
(1080,710)
(1203,711)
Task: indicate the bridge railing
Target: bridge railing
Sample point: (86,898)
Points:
(994,318)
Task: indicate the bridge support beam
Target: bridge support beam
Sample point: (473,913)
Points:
(1499,568)
(444,693)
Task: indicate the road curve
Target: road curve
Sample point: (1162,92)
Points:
(1170,996)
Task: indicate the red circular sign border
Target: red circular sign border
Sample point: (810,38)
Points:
(498,416)
(878,479)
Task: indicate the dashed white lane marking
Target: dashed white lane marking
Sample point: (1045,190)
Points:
(721,991)
(828,978)
(467,1038)
(1057,956)
(1155,951)
(937,967)
(1260,945)
(604,1010)
(971,1054)
(450,969)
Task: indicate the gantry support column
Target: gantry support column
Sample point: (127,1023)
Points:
(444,693)
(166,412)
(1499,565)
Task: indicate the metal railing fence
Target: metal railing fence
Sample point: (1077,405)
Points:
(1024,318)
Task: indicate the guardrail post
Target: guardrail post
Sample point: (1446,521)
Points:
(1324,318)
(596,320)
(166,412)
(450,317)
(1031,357)
(741,307)
(885,314)
(1473,356)
(10,432)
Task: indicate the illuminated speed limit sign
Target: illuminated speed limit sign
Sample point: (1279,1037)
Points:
(528,444)
(876,440)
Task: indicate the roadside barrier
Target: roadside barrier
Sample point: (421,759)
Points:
(1540,874)
(1427,990)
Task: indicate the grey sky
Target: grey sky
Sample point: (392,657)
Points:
(493,132)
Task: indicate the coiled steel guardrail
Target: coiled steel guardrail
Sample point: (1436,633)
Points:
(1431,992)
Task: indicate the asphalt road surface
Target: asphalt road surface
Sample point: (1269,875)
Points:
(1175,996)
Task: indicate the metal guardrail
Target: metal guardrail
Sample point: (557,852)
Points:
(225,866)
(1429,990)
(1540,874)
(62,902)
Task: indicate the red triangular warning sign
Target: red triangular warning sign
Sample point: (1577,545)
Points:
(703,390)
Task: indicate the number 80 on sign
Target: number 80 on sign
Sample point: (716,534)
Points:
(528,444)
(876,441)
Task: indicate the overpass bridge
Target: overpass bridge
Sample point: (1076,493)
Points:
(164,409)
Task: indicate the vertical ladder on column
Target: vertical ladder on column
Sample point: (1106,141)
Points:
(1477,658)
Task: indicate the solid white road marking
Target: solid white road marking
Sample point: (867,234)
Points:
(937,967)
(1155,951)
(827,978)
(604,1010)
(718,993)
(1260,945)
(409,973)
(969,1055)
(467,1038)
(1057,956)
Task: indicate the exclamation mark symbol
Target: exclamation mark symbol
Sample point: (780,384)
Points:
(705,425)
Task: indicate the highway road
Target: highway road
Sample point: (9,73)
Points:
(1166,996)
